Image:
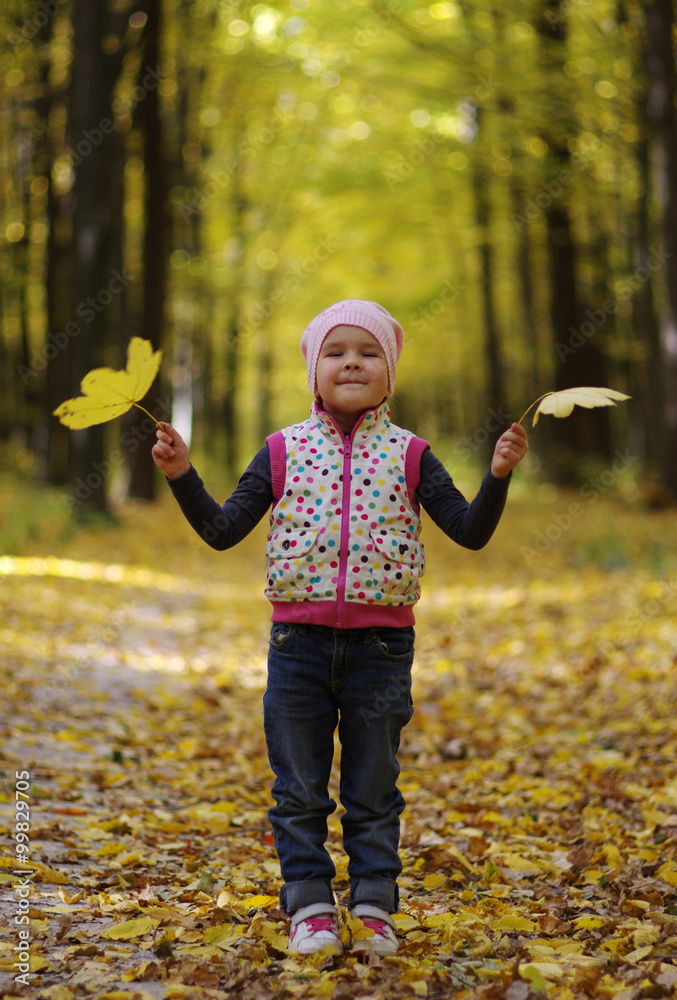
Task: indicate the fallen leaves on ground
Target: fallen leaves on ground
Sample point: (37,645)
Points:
(539,771)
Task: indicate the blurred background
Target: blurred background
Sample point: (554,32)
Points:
(210,175)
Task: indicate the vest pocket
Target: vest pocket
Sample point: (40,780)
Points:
(291,562)
(397,562)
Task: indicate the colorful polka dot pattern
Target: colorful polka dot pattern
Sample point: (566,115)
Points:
(384,559)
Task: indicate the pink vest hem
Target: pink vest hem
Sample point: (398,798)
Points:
(354,615)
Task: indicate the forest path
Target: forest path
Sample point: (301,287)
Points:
(538,770)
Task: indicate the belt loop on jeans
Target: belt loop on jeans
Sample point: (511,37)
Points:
(370,635)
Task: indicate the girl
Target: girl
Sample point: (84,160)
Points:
(344,561)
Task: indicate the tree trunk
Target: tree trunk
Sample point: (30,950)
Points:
(141,469)
(232,366)
(495,389)
(526,295)
(649,373)
(96,285)
(663,118)
(578,360)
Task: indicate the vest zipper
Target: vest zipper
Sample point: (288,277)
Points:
(345,529)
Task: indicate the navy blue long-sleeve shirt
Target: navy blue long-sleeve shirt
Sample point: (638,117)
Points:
(224,525)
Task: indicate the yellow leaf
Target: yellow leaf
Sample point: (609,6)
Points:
(434,881)
(357,929)
(405,923)
(668,872)
(271,933)
(561,404)
(68,898)
(139,972)
(549,970)
(108,393)
(589,923)
(612,854)
(126,995)
(129,929)
(513,923)
(109,849)
(517,863)
(324,988)
(638,954)
(217,933)
(260,901)
(534,976)
(51,876)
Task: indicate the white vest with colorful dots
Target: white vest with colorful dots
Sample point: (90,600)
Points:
(345,525)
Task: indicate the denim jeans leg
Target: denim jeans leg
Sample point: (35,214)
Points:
(375,704)
(300,717)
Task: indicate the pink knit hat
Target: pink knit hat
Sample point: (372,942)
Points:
(370,316)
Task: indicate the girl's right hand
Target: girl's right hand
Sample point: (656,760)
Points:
(170,452)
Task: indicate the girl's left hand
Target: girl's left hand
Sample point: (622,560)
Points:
(510,449)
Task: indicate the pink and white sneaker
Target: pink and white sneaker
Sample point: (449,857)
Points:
(382,924)
(315,927)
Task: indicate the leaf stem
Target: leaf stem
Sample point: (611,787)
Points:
(534,404)
(139,407)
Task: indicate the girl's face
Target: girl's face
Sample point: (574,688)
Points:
(352,374)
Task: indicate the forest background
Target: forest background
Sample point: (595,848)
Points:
(210,175)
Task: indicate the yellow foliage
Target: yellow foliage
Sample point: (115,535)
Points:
(507,850)
(668,872)
(129,929)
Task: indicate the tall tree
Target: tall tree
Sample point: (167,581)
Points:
(579,361)
(662,93)
(156,238)
(96,249)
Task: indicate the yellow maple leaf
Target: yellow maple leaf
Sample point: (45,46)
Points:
(561,404)
(108,393)
(128,929)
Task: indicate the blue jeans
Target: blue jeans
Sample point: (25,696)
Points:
(360,679)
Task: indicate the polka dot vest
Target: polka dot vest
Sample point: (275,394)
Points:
(345,528)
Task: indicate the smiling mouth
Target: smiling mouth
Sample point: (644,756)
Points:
(352,381)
